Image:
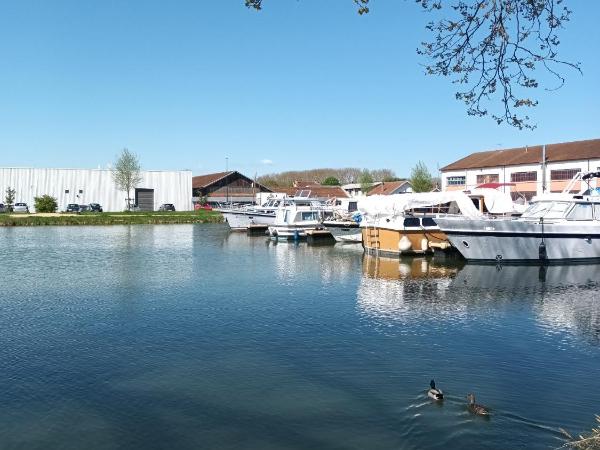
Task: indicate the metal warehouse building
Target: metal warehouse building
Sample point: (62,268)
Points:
(85,186)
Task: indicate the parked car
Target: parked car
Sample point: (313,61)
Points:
(72,208)
(84,208)
(95,207)
(166,207)
(2,208)
(21,208)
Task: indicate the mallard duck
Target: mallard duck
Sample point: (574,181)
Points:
(480,410)
(434,393)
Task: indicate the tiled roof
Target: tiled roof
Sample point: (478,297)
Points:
(203,181)
(317,191)
(208,179)
(566,151)
(387,187)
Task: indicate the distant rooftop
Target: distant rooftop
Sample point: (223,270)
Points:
(566,151)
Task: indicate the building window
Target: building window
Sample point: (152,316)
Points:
(517,177)
(456,181)
(81,191)
(488,178)
(563,174)
(66,191)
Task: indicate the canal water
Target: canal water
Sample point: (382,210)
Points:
(189,337)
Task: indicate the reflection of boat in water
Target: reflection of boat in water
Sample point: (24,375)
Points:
(397,290)
(508,277)
(561,298)
(564,297)
(414,268)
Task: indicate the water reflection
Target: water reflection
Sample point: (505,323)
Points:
(564,298)
(333,264)
(405,291)
(561,298)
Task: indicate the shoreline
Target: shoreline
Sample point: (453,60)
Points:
(109,218)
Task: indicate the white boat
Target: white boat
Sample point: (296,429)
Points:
(345,231)
(555,227)
(241,218)
(294,220)
(407,223)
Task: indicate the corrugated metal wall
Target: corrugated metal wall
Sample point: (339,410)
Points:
(94,186)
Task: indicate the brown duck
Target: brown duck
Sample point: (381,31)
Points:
(480,410)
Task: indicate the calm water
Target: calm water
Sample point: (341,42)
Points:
(189,337)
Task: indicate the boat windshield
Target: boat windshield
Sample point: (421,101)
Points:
(547,210)
(582,211)
(309,215)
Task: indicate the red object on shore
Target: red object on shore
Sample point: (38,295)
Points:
(198,206)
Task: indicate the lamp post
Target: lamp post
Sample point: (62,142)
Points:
(226,181)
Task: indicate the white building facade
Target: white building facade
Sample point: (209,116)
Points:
(84,186)
(522,170)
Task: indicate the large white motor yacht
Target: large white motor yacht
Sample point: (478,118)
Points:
(555,227)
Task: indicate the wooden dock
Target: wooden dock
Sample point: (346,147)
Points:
(319,237)
(257,229)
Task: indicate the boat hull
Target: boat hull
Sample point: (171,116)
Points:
(513,240)
(388,242)
(344,232)
(291,232)
(242,220)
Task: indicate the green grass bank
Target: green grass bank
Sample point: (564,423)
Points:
(110,218)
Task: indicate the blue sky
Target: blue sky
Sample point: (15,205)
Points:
(302,84)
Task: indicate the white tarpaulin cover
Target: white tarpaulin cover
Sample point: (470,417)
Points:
(397,204)
(497,202)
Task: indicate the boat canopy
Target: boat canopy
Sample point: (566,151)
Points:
(497,202)
(397,204)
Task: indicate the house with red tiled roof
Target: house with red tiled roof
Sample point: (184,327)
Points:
(391,187)
(224,187)
(523,170)
(315,190)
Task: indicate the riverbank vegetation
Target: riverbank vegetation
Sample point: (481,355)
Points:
(111,218)
(589,441)
(324,176)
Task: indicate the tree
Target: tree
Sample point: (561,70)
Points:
(9,200)
(496,50)
(420,178)
(382,174)
(365,180)
(45,204)
(126,173)
(331,181)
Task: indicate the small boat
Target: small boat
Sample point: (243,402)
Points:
(294,220)
(241,217)
(555,227)
(345,231)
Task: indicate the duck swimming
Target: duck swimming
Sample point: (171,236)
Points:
(480,410)
(434,393)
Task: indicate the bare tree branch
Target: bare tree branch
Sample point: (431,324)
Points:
(502,42)
(492,48)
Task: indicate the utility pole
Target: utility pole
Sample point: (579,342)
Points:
(227,185)
(544,169)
